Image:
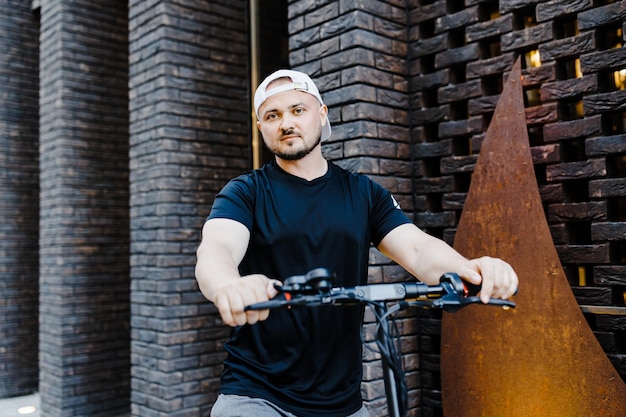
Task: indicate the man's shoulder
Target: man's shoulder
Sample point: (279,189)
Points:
(355,178)
(347,171)
(253,176)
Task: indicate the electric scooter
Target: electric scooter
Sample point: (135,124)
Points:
(317,288)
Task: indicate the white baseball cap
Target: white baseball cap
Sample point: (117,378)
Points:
(299,81)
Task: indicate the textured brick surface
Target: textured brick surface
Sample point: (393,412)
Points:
(189,127)
(149,104)
(356,53)
(84,241)
(576,128)
(19,198)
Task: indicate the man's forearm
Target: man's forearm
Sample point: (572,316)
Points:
(223,246)
(215,266)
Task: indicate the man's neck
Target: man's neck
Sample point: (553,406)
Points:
(312,166)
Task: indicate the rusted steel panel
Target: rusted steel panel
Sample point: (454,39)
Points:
(540,359)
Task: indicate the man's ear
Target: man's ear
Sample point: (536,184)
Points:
(324,114)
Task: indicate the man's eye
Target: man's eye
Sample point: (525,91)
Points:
(298,110)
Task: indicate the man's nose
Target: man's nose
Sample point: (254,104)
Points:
(287,122)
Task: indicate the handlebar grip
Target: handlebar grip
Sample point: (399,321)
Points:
(474,289)
(277,301)
(260,306)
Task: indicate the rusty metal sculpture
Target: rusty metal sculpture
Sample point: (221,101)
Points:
(540,359)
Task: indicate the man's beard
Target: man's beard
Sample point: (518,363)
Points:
(299,154)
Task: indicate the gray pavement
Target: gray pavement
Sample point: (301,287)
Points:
(20,406)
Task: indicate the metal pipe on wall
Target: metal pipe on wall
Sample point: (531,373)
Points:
(254,79)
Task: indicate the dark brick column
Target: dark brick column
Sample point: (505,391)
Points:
(356,52)
(84,242)
(19,198)
(190,124)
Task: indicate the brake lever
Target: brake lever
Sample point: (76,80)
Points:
(453,304)
(285,300)
(459,293)
(276,302)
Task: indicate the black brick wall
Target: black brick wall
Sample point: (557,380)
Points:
(458,56)
(189,134)
(356,52)
(145,114)
(84,240)
(19,198)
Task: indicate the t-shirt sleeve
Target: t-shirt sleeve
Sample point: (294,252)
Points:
(235,201)
(386,213)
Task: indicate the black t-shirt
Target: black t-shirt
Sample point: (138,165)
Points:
(305,360)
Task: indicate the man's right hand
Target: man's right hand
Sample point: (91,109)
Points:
(235,294)
(224,244)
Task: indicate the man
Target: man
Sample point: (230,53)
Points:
(299,213)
